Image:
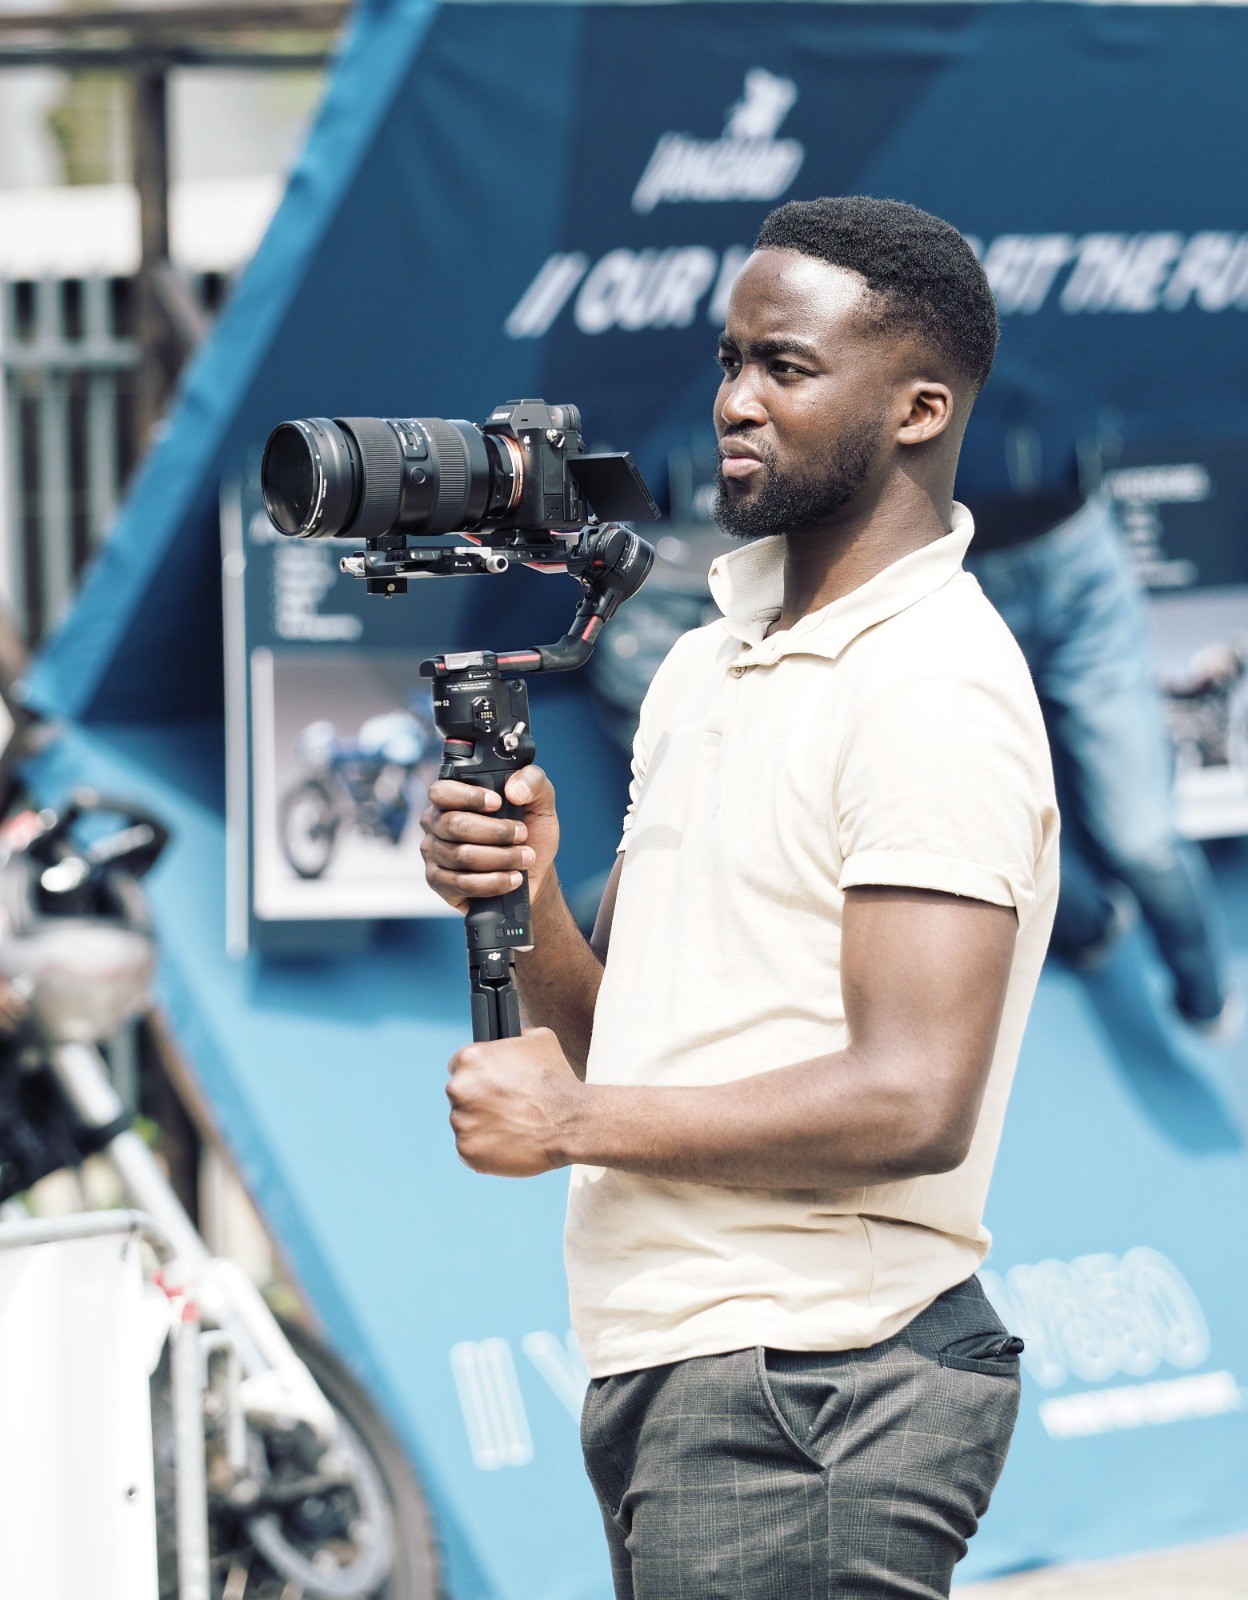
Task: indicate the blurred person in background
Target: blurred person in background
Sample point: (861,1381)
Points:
(1055,567)
(779,1067)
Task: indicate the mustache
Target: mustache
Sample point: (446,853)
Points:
(755,450)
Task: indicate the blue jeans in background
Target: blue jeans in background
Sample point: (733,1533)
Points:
(1071,600)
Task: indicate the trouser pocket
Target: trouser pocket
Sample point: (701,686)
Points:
(808,1394)
(601,1428)
(994,1352)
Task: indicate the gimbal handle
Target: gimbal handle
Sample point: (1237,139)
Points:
(483,715)
(481,707)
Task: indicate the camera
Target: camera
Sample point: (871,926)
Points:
(524,490)
(524,471)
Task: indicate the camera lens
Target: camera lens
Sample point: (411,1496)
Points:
(366,477)
(311,478)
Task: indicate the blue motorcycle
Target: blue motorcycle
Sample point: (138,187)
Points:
(372,785)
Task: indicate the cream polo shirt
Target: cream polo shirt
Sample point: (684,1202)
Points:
(893,737)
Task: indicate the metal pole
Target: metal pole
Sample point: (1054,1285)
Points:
(104,387)
(86,1225)
(55,542)
(10,515)
(158,363)
(191,1490)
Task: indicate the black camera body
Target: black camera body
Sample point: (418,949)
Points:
(523,475)
(559,482)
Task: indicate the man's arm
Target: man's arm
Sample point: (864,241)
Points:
(924,977)
(471,853)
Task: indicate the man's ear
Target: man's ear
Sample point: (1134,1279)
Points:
(927,410)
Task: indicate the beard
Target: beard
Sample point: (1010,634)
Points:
(796,502)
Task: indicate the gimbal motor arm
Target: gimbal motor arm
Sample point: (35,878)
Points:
(609,559)
(612,564)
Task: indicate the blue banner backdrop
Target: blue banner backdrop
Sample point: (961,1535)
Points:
(507,200)
(552,200)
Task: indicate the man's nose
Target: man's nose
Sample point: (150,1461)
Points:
(740,405)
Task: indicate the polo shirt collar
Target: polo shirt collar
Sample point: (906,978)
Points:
(748,587)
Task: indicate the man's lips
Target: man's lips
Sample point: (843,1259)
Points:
(736,462)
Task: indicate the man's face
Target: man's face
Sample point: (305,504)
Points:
(803,405)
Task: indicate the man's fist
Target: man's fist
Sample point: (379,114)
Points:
(514,1104)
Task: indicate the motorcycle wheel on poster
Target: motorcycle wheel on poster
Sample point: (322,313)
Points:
(308,821)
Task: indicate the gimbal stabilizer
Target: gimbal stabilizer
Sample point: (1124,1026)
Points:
(481,706)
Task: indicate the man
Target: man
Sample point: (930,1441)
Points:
(782,1090)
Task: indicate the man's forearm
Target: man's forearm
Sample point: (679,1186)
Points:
(558,979)
(837,1122)
(924,978)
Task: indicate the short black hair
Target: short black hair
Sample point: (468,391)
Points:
(924,273)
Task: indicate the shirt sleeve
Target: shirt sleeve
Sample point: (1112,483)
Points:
(945,784)
(640,753)
(654,711)
(649,719)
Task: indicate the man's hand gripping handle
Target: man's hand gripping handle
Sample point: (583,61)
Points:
(484,720)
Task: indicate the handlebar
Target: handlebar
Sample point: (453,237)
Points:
(71,866)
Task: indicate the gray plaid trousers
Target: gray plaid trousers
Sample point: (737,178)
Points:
(782,1475)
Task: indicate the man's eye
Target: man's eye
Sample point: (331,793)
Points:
(726,360)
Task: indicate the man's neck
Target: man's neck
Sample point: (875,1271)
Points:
(824,564)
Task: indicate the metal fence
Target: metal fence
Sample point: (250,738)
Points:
(67,434)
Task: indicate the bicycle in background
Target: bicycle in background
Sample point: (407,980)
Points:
(276,1478)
